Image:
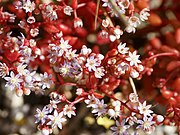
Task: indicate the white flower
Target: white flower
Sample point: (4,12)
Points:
(133,97)
(91,101)
(160,118)
(122,48)
(56,119)
(145,109)
(124,4)
(113,113)
(117,32)
(112,38)
(63,47)
(69,110)
(34,32)
(13,81)
(99,72)
(26,51)
(85,50)
(55,97)
(105,23)
(46,80)
(68,10)
(123,67)
(131,119)
(28,6)
(106,3)
(117,105)
(31,19)
(130,29)
(50,13)
(41,116)
(120,129)
(65,69)
(71,54)
(79,91)
(133,59)
(21,69)
(146,124)
(78,23)
(32,42)
(134,21)
(99,108)
(1,30)
(134,74)
(144,14)
(92,63)
(116,110)
(4,70)
(52,105)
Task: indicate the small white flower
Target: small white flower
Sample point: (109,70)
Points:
(34,32)
(68,10)
(130,29)
(106,3)
(56,119)
(28,6)
(55,97)
(50,13)
(122,48)
(46,80)
(140,68)
(65,69)
(79,91)
(124,4)
(21,69)
(70,54)
(117,105)
(91,101)
(63,47)
(4,70)
(52,105)
(13,81)
(99,108)
(146,124)
(133,59)
(134,74)
(85,50)
(41,116)
(92,63)
(112,38)
(69,110)
(31,19)
(105,23)
(133,97)
(32,42)
(145,109)
(117,32)
(134,21)
(120,129)
(26,51)
(116,110)
(99,72)
(144,14)
(1,30)
(132,119)
(160,118)
(123,67)
(113,113)
(78,23)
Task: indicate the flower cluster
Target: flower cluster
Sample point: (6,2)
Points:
(80,47)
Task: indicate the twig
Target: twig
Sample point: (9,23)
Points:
(132,85)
